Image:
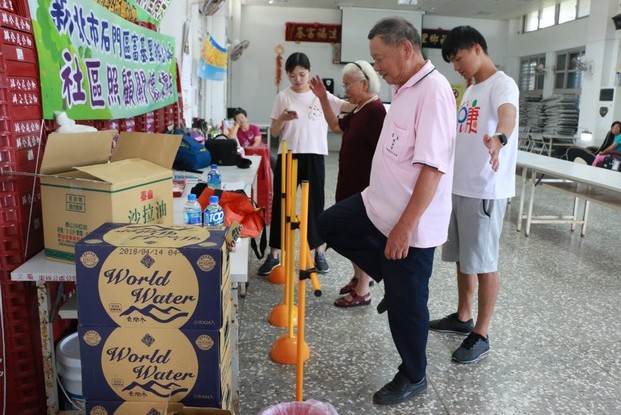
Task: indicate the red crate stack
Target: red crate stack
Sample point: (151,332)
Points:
(21,141)
(21,231)
(171,115)
(128,124)
(21,227)
(146,122)
(159,120)
(23,367)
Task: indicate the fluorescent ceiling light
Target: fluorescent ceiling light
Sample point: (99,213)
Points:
(410,2)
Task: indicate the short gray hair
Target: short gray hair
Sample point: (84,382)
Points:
(364,70)
(394,30)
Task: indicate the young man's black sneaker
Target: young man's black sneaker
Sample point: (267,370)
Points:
(451,324)
(270,263)
(321,265)
(472,349)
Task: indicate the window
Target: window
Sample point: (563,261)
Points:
(531,21)
(584,6)
(547,16)
(532,73)
(567,76)
(567,11)
(563,12)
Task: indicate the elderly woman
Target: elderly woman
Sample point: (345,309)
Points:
(361,130)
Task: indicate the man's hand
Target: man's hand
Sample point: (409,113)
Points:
(398,243)
(318,88)
(494,145)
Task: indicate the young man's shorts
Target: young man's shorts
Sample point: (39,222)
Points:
(474,234)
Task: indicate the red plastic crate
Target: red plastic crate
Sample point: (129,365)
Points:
(145,122)
(22,8)
(20,128)
(22,357)
(10,64)
(127,124)
(21,225)
(22,141)
(8,5)
(108,125)
(13,21)
(20,90)
(24,160)
(16,250)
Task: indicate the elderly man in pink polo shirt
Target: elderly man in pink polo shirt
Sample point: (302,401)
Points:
(391,229)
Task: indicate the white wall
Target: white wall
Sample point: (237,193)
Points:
(172,24)
(253,84)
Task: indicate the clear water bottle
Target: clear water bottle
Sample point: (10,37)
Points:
(213,215)
(192,212)
(213,177)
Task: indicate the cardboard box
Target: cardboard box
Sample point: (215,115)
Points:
(80,189)
(148,408)
(154,276)
(149,364)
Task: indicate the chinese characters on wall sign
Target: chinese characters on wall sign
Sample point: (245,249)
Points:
(433,38)
(312,32)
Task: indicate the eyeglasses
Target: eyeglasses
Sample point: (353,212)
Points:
(346,87)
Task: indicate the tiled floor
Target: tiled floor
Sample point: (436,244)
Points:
(556,333)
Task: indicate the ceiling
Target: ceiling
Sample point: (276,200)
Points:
(481,9)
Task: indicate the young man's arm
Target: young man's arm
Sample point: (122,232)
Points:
(507,115)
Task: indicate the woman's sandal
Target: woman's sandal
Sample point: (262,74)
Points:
(351,285)
(356,300)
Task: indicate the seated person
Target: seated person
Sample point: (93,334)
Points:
(588,154)
(612,150)
(248,135)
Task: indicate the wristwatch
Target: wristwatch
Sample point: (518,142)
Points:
(502,138)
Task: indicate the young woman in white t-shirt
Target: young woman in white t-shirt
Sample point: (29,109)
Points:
(297,117)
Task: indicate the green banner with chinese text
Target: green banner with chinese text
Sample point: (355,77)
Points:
(96,65)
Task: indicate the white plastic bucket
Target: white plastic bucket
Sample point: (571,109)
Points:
(69,369)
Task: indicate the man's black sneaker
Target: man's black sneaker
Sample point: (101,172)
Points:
(321,265)
(270,263)
(398,390)
(472,349)
(451,324)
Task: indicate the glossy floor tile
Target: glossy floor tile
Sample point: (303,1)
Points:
(555,336)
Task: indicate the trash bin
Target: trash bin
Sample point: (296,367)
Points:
(310,407)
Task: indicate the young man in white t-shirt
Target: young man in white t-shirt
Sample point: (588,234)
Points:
(485,158)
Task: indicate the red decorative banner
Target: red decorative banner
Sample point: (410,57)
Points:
(312,32)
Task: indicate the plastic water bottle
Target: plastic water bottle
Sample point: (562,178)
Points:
(213,215)
(213,177)
(192,211)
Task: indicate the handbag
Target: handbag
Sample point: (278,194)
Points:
(192,154)
(611,163)
(238,207)
(223,150)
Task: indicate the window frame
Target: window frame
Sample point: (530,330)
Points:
(530,81)
(569,70)
(525,18)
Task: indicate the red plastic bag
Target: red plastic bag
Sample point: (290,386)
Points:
(238,208)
